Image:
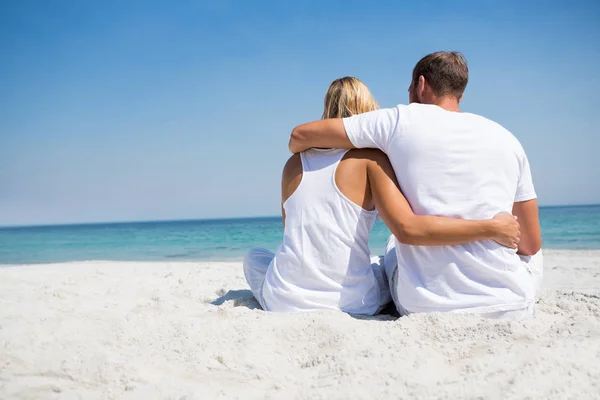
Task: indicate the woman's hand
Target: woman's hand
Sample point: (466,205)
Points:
(507,230)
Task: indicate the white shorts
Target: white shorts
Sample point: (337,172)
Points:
(257,261)
(535,265)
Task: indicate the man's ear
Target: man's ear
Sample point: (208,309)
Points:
(420,92)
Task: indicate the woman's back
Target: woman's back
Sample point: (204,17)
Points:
(324,260)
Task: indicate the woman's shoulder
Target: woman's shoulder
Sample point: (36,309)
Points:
(293,166)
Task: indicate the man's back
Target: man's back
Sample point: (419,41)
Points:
(455,165)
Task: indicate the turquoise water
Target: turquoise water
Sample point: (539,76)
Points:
(227,239)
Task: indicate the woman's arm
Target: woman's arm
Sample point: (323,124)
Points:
(429,230)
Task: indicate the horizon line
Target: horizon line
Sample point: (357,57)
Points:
(123,222)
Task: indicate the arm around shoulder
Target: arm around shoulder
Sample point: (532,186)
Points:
(325,133)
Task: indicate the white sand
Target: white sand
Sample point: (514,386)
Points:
(103,330)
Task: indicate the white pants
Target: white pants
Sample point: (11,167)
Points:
(535,265)
(257,261)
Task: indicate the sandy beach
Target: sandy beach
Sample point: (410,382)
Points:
(184,330)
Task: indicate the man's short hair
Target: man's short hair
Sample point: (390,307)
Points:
(445,71)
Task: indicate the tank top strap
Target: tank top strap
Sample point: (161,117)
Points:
(321,161)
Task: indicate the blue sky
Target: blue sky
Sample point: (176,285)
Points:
(141,110)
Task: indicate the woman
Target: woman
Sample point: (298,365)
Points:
(329,201)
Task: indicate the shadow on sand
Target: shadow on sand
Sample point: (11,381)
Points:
(240,298)
(244,298)
(389,313)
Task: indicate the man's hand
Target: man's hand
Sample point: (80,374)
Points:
(507,230)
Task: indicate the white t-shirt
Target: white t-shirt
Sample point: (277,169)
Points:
(455,165)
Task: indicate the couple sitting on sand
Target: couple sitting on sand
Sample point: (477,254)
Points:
(449,185)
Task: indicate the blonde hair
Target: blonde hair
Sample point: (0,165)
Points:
(348,96)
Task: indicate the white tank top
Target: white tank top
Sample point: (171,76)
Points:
(324,260)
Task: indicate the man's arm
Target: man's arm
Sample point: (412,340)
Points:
(325,133)
(372,129)
(531,232)
(526,208)
(429,230)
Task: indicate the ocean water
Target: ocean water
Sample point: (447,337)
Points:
(227,239)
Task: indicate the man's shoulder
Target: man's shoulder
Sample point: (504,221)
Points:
(486,122)
(490,125)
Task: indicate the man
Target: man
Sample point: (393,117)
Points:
(452,164)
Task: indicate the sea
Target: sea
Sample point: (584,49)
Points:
(574,227)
